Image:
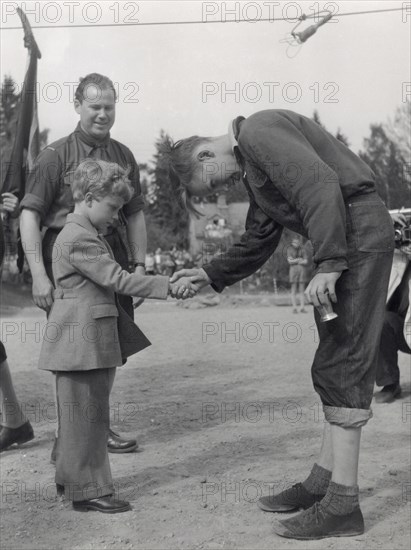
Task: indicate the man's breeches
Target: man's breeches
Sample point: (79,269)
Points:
(345,363)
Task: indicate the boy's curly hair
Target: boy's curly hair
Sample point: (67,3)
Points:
(102,179)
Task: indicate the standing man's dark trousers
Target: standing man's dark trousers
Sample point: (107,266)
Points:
(82,464)
(392,341)
(345,363)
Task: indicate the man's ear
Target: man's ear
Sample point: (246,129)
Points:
(205,154)
(77,106)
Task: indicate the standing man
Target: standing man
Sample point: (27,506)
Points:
(297,260)
(299,176)
(49,199)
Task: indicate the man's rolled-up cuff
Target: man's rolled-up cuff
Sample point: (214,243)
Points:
(347,418)
(136,204)
(332,266)
(33,202)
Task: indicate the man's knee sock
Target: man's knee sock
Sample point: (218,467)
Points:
(340,499)
(318,480)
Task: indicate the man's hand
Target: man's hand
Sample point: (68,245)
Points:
(321,289)
(43,292)
(140,270)
(10,203)
(399,219)
(197,276)
(406,249)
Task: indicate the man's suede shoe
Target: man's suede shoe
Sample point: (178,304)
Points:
(19,435)
(388,394)
(290,500)
(316,523)
(115,444)
(106,505)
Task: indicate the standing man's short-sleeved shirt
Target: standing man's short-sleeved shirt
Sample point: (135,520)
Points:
(48,189)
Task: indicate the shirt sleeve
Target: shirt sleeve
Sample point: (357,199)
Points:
(137,201)
(308,184)
(254,248)
(43,183)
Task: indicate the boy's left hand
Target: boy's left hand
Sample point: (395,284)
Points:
(321,289)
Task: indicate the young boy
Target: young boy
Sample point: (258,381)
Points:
(88,334)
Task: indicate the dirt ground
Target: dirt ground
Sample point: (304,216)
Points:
(221,418)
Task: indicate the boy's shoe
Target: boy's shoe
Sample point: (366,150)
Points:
(106,505)
(303,310)
(290,500)
(115,444)
(19,435)
(295,310)
(388,394)
(316,523)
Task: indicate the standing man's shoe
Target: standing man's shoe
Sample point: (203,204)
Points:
(290,500)
(107,505)
(19,435)
(316,523)
(388,394)
(116,444)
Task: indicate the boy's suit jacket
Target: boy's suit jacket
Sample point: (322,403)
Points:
(87,329)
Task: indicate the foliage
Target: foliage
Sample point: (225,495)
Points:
(167,220)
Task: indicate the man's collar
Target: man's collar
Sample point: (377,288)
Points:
(233,132)
(88,141)
(83,221)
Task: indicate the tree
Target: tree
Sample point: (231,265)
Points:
(384,158)
(167,219)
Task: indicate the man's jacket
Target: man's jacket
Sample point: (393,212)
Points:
(297,176)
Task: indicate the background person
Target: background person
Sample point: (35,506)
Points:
(396,331)
(14,427)
(297,260)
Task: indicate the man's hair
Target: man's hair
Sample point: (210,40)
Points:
(101,179)
(182,166)
(93,79)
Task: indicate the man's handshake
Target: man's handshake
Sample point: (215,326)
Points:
(187,282)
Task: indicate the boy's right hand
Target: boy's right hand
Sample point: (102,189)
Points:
(183,289)
(43,292)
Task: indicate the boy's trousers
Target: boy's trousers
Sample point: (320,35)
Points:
(82,464)
(345,362)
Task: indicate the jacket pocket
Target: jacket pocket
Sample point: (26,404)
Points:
(371,226)
(99,311)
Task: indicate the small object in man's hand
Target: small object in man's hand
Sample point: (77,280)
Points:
(326,313)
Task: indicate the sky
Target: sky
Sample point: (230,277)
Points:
(194,79)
